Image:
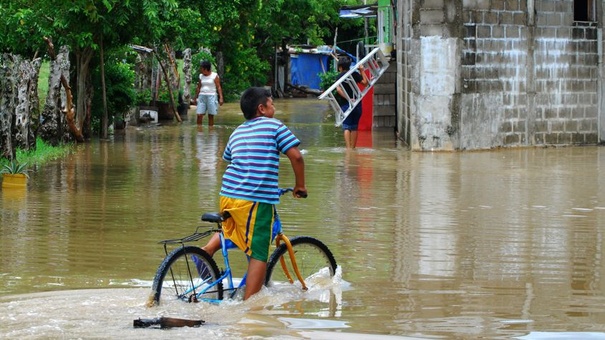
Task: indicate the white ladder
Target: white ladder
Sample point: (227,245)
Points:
(376,63)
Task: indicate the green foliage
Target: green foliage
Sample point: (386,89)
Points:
(244,68)
(121,95)
(40,154)
(43,152)
(326,79)
(43,82)
(244,32)
(21,28)
(143,97)
(164,95)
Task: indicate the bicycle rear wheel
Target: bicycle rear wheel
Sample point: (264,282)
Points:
(184,275)
(313,259)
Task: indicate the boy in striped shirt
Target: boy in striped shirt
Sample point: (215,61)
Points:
(249,188)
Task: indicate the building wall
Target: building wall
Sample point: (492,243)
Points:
(492,73)
(404,61)
(385,98)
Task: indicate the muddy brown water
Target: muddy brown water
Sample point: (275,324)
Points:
(499,244)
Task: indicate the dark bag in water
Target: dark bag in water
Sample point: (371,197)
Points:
(165,322)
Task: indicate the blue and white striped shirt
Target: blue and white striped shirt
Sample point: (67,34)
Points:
(253,155)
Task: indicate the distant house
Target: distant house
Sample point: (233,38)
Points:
(304,66)
(307,65)
(482,74)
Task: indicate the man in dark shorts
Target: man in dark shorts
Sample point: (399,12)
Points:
(350,124)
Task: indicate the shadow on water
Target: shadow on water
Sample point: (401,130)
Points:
(502,244)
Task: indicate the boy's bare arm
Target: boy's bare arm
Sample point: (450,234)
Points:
(340,91)
(365,80)
(298,165)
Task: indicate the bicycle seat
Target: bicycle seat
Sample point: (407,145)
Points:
(212,217)
(215,217)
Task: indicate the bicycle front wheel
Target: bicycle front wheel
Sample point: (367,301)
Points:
(188,274)
(313,259)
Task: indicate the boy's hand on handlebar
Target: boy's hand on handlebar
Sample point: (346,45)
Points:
(299,192)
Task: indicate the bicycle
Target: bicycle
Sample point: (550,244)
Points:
(192,275)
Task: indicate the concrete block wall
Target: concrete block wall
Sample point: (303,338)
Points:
(566,77)
(493,100)
(490,73)
(385,98)
(404,62)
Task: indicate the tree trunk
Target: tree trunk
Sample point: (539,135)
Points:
(27,102)
(175,77)
(18,103)
(87,125)
(69,111)
(53,125)
(104,120)
(187,73)
(34,102)
(7,105)
(143,71)
(220,64)
(83,58)
(171,77)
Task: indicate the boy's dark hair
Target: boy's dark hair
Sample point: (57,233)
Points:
(251,99)
(344,62)
(206,65)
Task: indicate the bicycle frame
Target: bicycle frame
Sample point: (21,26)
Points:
(227,273)
(278,239)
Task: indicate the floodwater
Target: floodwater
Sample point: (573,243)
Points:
(499,244)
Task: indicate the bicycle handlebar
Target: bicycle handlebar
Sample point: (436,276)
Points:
(282,191)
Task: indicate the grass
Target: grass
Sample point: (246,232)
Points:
(43,153)
(43,82)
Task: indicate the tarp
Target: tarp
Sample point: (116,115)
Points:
(305,69)
(362,11)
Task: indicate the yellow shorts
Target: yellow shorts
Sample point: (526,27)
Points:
(250,226)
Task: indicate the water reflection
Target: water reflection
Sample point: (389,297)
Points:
(505,244)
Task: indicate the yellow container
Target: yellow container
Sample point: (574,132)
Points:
(14,180)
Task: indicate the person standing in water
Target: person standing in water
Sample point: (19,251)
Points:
(350,124)
(249,191)
(209,94)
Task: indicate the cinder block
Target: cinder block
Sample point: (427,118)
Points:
(431,16)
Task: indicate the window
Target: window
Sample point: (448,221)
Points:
(584,10)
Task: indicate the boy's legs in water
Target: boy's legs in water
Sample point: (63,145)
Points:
(350,125)
(213,245)
(350,138)
(256,269)
(210,120)
(200,119)
(259,241)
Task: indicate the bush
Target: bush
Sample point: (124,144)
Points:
(326,79)
(121,95)
(250,71)
(143,97)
